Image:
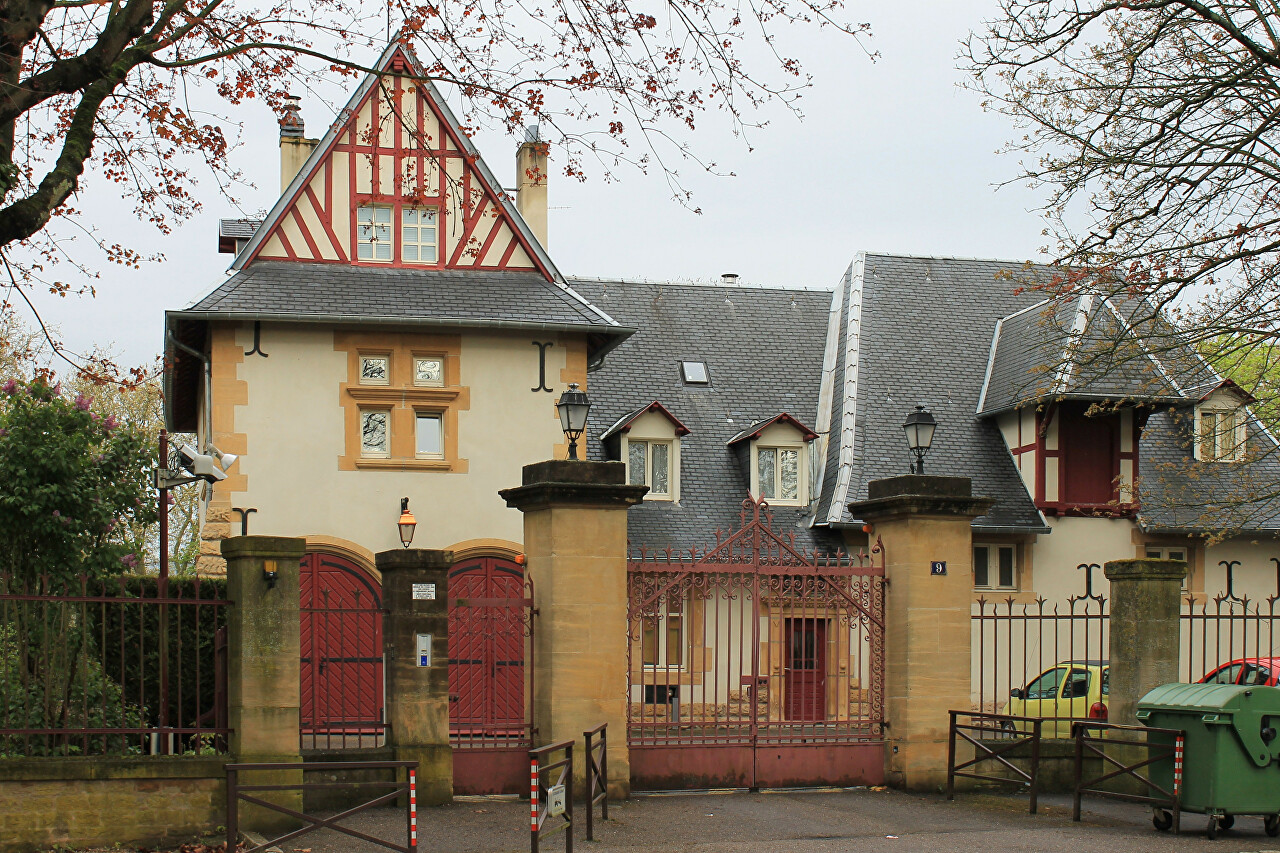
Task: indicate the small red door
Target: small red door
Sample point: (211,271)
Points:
(806,670)
(341,639)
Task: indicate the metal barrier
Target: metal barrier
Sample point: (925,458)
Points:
(1169,801)
(597,776)
(1010,729)
(236,793)
(557,797)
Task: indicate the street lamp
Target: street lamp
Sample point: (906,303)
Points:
(573,405)
(920,426)
(406,523)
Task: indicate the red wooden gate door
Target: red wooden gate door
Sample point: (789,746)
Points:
(489,631)
(341,638)
(806,670)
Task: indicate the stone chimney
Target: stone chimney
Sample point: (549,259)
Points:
(531,183)
(295,148)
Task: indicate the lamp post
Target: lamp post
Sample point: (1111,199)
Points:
(573,406)
(406,523)
(919,427)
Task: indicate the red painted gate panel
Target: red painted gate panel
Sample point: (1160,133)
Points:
(806,670)
(489,632)
(341,646)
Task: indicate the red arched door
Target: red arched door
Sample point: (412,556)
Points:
(488,638)
(341,638)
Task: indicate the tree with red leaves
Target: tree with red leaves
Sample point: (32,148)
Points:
(118,89)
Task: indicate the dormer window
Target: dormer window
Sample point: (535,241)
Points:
(1221,424)
(774,453)
(648,440)
(1219,434)
(778,473)
(649,464)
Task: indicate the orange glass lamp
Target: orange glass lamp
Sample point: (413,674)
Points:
(406,523)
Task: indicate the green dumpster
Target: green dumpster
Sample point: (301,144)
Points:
(1231,755)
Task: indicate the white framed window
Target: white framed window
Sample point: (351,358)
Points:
(373,232)
(375,432)
(418,235)
(430,434)
(428,370)
(995,566)
(375,370)
(778,473)
(1220,434)
(649,464)
(1170,552)
(662,641)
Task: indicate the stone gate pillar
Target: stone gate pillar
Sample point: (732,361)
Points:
(575,539)
(924,520)
(263,664)
(415,596)
(1146,599)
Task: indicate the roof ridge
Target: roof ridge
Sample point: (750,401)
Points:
(910,257)
(802,288)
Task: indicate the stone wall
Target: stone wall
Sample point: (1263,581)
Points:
(105,800)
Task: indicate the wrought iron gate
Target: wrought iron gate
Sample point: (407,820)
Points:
(755,664)
(490,672)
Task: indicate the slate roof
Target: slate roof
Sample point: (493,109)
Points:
(1074,348)
(347,293)
(1179,494)
(238,229)
(917,331)
(763,348)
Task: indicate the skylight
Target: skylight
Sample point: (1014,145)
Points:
(694,372)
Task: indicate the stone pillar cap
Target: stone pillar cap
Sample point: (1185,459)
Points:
(412,558)
(570,482)
(268,547)
(1145,570)
(920,494)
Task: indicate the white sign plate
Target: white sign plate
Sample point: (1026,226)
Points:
(424,592)
(555,800)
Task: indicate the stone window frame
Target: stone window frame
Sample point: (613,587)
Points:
(402,399)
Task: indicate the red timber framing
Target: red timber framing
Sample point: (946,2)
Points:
(755,664)
(490,675)
(398,147)
(1076,455)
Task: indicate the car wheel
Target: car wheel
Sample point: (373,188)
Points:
(1007,727)
(1272,824)
(1162,820)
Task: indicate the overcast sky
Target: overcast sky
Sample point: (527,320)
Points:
(892,156)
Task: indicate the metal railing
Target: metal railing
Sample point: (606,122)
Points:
(112,666)
(237,793)
(1130,738)
(1012,732)
(549,799)
(596,757)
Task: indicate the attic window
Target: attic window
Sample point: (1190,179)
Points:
(1220,434)
(694,372)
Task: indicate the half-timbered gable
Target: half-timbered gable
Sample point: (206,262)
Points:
(396,183)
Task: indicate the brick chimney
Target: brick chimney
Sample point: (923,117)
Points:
(531,183)
(295,148)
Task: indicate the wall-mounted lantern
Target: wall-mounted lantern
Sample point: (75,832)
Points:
(406,523)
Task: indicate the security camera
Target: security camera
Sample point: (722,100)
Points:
(201,465)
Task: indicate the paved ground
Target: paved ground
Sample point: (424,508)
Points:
(806,822)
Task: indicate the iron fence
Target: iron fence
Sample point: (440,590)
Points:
(1050,660)
(128,665)
(596,757)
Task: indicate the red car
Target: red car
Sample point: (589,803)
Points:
(1260,671)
